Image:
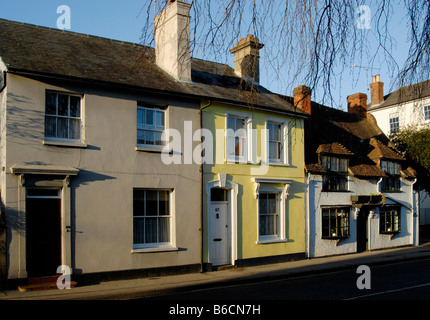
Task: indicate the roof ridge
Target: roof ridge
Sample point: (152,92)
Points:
(72,32)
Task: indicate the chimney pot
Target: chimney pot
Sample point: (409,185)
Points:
(302,98)
(357,104)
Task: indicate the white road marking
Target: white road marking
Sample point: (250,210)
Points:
(389,291)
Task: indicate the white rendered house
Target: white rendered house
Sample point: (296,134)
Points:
(359,192)
(405,107)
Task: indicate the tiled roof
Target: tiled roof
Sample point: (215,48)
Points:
(30,49)
(383,151)
(334,148)
(344,134)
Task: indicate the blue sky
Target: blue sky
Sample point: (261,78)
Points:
(124,20)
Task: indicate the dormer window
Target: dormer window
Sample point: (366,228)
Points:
(336,178)
(334,164)
(391,182)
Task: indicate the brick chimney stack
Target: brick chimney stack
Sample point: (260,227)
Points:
(357,104)
(376,91)
(247,58)
(302,98)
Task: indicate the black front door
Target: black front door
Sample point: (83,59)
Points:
(43,235)
(362,230)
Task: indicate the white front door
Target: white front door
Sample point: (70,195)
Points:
(219,235)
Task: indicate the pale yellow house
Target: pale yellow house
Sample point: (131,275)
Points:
(253,189)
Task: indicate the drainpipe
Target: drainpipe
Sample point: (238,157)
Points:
(307,217)
(378,184)
(202,192)
(415,217)
(369,224)
(3,80)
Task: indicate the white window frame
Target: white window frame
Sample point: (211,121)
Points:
(273,237)
(156,109)
(266,185)
(248,150)
(394,116)
(284,160)
(65,141)
(426,111)
(157,246)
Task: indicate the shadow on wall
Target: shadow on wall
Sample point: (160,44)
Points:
(16,221)
(23,123)
(3,260)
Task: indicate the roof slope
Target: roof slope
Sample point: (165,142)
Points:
(334,132)
(26,48)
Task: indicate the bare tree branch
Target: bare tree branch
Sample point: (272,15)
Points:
(309,42)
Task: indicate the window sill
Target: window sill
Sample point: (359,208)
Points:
(153,150)
(269,241)
(280,164)
(70,144)
(391,233)
(336,191)
(242,161)
(155,249)
(335,238)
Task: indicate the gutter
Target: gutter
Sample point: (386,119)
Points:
(117,86)
(283,112)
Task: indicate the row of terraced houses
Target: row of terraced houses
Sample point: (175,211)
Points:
(121,160)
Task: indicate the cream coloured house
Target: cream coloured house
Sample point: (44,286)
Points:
(82,180)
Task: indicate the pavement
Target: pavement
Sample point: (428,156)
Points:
(156,286)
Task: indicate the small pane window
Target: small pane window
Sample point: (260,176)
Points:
(336,177)
(394,123)
(389,219)
(237,138)
(62,116)
(275,141)
(151,218)
(335,223)
(268,209)
(427,113)
(391,182)
(334,164)
(150,126)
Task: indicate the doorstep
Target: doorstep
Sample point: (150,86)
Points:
(42,283)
